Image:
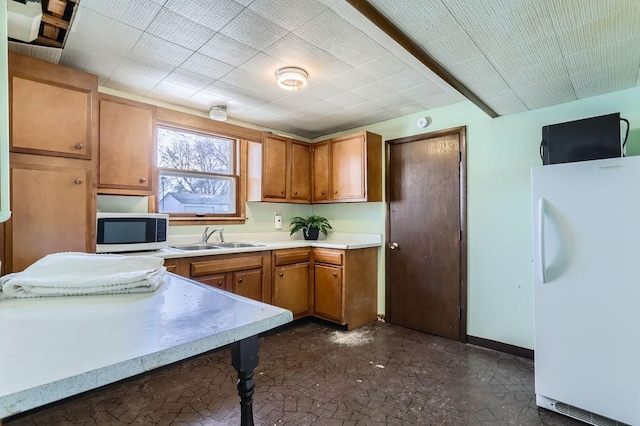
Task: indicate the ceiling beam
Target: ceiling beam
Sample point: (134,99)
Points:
(379,20)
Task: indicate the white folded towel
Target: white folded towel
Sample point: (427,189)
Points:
(70,274)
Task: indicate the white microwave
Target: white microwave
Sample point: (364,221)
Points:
(120,232)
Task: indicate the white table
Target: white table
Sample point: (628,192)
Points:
(55,347)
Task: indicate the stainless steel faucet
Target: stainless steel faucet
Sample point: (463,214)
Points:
(205,236)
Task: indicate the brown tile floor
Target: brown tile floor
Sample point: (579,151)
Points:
(312,373)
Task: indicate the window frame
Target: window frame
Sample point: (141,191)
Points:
(238,174)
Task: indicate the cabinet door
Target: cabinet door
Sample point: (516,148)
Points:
(328,292)
(300,172)
(291,288)
(50,119)
(248,284)
(126,144)
(321,171)
(51,212)
(274,168)
(348,168)
(217,281)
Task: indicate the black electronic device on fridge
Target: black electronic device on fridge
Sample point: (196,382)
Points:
(592,138)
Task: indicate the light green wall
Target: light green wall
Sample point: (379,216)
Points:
(500,153)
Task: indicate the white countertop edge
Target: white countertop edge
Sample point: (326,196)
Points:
(50,392)
(171,253)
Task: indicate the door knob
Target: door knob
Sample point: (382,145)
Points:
(393,246)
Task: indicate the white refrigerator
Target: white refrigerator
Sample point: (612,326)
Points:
(586,232)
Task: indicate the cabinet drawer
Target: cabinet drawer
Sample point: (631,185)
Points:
(287,257)
(219,266)
(171,265)
(332,257)
(217,281)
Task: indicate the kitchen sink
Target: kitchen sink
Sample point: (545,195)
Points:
(237,245)
(199,246)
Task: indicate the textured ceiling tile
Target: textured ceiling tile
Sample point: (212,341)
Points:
(429,19)
(169,91)
(351,79)
(598,81)
(160,2)
(227,50)
(153,48)
(540,94)
(43,53)
(264,64)
(392,101)
(289,14)
(424,91)
(405,80)
(327,30)
(494,25)
(101,65)
(253,30)
(177,29)
(440,100)
(358,50)
(213,14)
(206,100)
(97,34)
(293,50)
(453,48)
(473,69)
(537,74)
(235,94)
(624,54)
(525,54)
(136,13)
(373,91)
(188,79)
(346,99)
(316,108)
(248,80)
(382,67)
(363,109)
(505,102)
(206,66)
(322,90)
(131,82)
(324,66)
(148,68)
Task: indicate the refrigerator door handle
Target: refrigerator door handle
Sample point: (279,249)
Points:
(540,237)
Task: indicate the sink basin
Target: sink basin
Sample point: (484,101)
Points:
(199,246)
(237,245)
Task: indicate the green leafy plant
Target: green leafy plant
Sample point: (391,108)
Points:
(306,223)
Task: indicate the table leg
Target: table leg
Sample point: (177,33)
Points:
(244,358)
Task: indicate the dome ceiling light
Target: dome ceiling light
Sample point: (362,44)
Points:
(291,78)
(218,112)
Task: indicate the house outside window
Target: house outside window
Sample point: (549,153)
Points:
(197,174)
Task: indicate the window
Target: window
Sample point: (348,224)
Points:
(197,174)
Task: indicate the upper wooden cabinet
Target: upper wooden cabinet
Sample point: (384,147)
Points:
(126,146)
(349,170)
(285,170)
(51,108)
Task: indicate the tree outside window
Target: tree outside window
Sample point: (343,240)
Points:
(197,173)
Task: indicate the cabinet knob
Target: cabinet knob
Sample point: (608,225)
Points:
(78,181)
(219,283)
(282,274)
(335,274)
(282,192)
(322,192)
(240,280)
(335,192)
(79,145)
(295,192)
(143,180)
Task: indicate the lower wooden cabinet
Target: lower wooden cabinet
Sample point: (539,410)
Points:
(245,274)
(336,285)
(291,281)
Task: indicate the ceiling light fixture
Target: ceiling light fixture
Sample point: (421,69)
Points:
(292,78)
(218,112)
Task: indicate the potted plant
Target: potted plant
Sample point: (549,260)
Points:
(311,226)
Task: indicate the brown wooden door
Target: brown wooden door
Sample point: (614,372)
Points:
(328,292)
(51,212)
(248,284)
(126,143)
(424,274)
(274,168)
(300,172)
(291,288)
(348,168)
(321,171)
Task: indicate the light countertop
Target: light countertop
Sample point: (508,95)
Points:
(55,347)
(267,241)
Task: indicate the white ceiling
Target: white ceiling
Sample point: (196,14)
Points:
(515,55)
